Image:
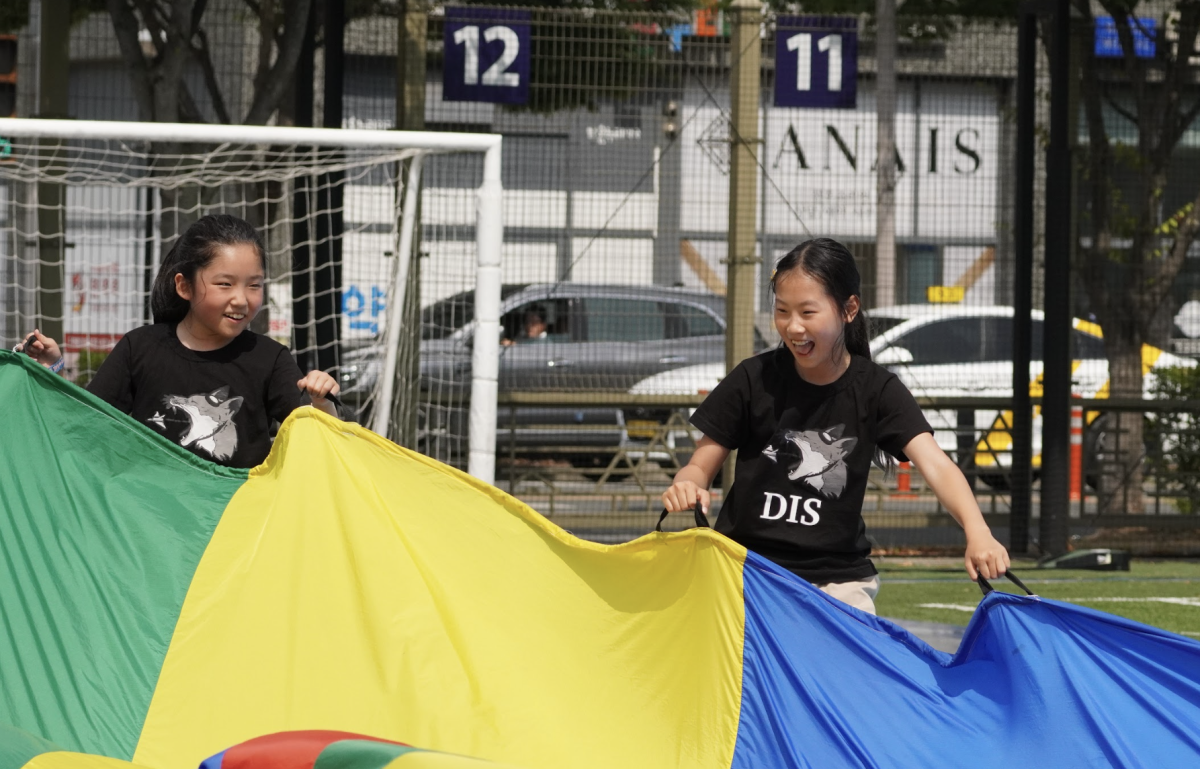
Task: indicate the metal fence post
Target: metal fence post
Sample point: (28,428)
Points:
(1057,345)
(1023,193)
(885,179)
(53,69)
(303,312)
(742,258)
(412,43)
(327,280)
(667,260)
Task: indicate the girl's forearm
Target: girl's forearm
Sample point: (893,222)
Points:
(695,474)
(953,491)
(984,555)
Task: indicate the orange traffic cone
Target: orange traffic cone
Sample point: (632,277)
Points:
(1076,456)
(904,480)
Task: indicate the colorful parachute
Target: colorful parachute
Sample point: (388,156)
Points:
(158,610)
(312,749)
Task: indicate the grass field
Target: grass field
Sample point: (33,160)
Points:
(1164,593)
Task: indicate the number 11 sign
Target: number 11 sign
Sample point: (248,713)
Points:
(816,61)
(487,55)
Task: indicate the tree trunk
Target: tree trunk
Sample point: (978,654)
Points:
(1123,450)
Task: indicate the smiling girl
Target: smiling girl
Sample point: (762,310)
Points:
(807,419)
(199,375)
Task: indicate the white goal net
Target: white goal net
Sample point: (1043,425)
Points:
(89,209)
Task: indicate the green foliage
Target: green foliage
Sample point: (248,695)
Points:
(88,364)
(1176,436)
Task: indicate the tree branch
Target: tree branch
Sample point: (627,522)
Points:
(1175,122)
(266,41)
(202,57)
(1188,227)
(125,27)
(1134,69)
(1099,159)
(197,14)
(153,24)
(189,110)
(1178,68)
(1117,108)
(267,97)
(1173,134)
(174,53)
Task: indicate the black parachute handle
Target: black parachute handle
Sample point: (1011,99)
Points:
(698,510)
(306,400)
(986,587)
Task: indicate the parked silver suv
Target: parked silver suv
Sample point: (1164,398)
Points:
(591,337)
(561,337)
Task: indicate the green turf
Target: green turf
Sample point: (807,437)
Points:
(908,583)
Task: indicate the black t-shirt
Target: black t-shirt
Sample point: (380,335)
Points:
(217,404)
(804,452)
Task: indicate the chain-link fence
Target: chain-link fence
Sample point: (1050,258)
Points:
(617,173)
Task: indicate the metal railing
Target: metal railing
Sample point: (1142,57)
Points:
(608,488)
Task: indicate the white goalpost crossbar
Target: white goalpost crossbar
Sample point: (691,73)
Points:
(489,230)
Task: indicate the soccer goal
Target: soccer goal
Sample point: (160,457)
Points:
(89,208)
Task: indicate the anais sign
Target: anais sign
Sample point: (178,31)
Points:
(487,55)
(816,61)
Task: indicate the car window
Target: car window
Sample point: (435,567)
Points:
(1036,339)
(545,320)
(684,320)
(1083,346)
(624,320)
(879,325)
(445,316)
(997,339)
(945,341)
(1086,347)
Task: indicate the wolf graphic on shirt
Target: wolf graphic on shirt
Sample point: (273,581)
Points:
(813,456)
(210,425)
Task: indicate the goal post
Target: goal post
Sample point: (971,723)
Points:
(125,189)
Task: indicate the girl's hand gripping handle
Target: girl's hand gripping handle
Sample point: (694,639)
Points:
(683,495)
(41,348)
(701,521)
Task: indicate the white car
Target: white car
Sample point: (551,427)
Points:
(957,351)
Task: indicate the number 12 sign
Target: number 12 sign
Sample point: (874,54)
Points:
(487,55)
(816,61)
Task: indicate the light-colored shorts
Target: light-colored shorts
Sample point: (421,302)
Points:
(860,593)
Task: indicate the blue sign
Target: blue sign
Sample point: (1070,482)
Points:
(356,308)
(816,61)
(487,55)
(1108,43)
